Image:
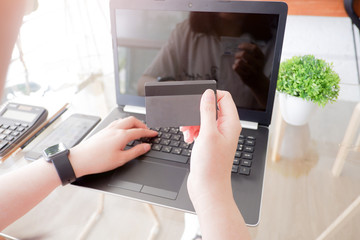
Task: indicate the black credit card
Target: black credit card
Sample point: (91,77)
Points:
(175,103)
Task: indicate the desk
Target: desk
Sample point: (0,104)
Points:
(301,198)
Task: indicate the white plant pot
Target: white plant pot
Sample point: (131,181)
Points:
(294,110)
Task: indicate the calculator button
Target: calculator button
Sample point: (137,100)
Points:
(24,125)
(17,124)
(7,132)
(1,130)
(12,127)
(15,133)
(2,136)
(5,126)
(9,138)
(3,144)
(20,129)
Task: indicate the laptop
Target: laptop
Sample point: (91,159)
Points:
(194,40)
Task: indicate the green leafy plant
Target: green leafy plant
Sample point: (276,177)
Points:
(309,78)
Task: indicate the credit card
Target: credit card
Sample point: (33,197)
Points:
(175,103)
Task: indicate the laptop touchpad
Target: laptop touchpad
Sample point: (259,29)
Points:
(149,178)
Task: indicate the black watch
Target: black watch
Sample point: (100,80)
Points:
(58,155)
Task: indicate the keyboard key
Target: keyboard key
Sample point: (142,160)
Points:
(176,137)
(244,171)
(246,163)
(174,130)
(234,169)
(250,142)
(5,126)
(240,147)
(248,149)
(174,143)
(186,152)
(165,142)
(247,156)
(166,135)
(250,138)
(241,136)
(238,154)
(156,140)
(176,150)
(156,147)
(241,141)
(184,145)
(236,161)
(12,128)
(166,149)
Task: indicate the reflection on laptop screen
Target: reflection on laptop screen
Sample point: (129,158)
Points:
(235,49)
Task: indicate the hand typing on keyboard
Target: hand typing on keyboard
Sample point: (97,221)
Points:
(106,149)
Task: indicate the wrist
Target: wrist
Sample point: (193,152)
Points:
(208,192)
(74,158)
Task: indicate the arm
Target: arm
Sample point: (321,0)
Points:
(11,14)
(27,186)
(209,181)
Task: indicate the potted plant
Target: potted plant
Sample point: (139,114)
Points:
(303,83)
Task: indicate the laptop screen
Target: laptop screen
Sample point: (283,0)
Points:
(235,48)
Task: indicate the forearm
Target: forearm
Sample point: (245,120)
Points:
(220,218)
(32,183)
(11,14)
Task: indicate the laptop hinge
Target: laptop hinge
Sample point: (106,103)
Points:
(249,125)
(134,109)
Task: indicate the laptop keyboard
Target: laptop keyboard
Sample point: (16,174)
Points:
(169,145)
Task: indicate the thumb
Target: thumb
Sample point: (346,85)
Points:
(208,110)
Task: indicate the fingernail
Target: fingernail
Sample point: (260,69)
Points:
(147,147)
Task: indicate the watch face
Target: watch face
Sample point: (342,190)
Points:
(53,150)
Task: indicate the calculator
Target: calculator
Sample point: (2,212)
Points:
(17,121)
(70,132)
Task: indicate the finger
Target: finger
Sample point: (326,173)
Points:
(228,115)
(129,122)
(136,151)
(208,111)
(137,133)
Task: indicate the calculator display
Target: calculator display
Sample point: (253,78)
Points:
(19,115)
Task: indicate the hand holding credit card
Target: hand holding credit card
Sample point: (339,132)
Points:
(175,103)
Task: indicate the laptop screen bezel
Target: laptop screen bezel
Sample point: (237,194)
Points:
(278,8)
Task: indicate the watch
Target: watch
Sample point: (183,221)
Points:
(58,155)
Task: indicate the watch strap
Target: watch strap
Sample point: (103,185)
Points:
(64,168)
